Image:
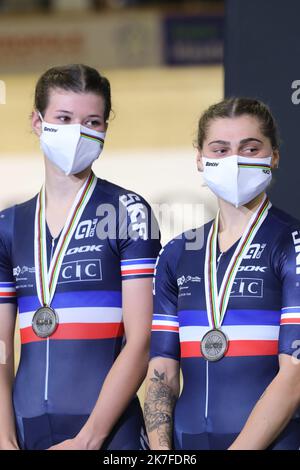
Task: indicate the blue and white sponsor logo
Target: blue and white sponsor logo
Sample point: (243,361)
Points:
(84,249)
(81,270)
(296,240)
(255,251)
(86,229)
(253,269)
(182,280)
(247,287)
(20,271)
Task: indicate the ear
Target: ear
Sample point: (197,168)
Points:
(199,160)
(36,123)
(275,160)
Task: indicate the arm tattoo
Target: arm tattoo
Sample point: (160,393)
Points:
(158,410)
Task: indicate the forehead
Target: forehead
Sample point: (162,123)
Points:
(234,129)
(74,101)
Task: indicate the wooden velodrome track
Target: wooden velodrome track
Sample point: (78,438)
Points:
(149,144)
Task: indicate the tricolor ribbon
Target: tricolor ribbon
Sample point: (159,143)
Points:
(46,280)
(217,302)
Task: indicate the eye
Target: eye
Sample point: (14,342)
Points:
(64,119)
(220,151)
(93,123)
(251,150)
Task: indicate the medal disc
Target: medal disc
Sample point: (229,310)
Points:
(44,322)
(214,345)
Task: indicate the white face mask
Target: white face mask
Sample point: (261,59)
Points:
(71,147)
(237,179)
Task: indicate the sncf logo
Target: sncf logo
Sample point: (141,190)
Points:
(81,270)
(296,239)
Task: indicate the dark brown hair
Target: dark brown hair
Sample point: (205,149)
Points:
(235,107)
(75,77)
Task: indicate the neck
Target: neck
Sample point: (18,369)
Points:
(234,219)
(60,188)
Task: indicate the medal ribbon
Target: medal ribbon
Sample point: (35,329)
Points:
(46,281)
(216,303)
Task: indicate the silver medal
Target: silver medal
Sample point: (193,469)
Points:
(44,322)
(214,345)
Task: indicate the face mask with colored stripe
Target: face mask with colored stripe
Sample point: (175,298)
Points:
(71,147)
(237,180)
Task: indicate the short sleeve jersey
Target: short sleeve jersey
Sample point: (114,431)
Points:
(116,239)
(262,320)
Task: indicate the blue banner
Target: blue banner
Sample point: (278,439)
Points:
(193,39)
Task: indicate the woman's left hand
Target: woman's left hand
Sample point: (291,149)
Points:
(79,442)
(69,444)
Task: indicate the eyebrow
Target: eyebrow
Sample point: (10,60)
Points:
(243,141)
(70,112)
(63,111)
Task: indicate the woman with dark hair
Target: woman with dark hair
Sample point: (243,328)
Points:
(228,313)
(77,261)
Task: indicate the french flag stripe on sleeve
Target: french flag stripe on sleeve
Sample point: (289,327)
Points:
(7,290)
(165,323)
(290,316)
(136,267)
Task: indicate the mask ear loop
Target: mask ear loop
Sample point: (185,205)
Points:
(40,116)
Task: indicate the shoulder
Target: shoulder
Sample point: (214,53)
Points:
(281,224)
(118,194)
(282,218)
(6,222)
(6,229)
(8,216)
(184,244)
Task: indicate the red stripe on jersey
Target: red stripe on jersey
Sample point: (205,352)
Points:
(138,271)
(77,331)
(165,327)
(235,348)
(7,294)
(289,320)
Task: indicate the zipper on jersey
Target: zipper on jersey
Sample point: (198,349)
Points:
(48,345)
(218,260)
(206,391)
(207,362)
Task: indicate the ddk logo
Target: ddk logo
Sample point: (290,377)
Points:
(82,270)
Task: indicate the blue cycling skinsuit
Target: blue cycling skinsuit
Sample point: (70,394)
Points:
(262,320)
(59,378)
